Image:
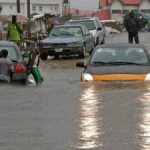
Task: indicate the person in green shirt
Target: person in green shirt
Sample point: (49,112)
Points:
(14,31)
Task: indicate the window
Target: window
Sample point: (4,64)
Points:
(120,54)
(99,23)
(34,8)
(116,11)
(12,52)
(88,23)
(145,10)
(134,10)
(125,11)
(40,8)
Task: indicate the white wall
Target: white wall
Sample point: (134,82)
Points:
(145,5)
(130,7)
(9,6)
(116,5)
(85,4)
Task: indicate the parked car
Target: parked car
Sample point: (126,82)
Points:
(94,25)
(147,16)
(15,55)
(68,40)
(117,62)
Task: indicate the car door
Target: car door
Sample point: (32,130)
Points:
(88,38)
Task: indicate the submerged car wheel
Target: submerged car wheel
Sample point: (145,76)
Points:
(56,56)
(91,49)
(83,53)
(103,41)
(97,41)
(24,81)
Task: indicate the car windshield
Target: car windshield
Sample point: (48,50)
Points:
(67,31)
(12,52)
(120,56)
(88,23)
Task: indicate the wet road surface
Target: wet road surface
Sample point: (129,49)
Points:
(65,114)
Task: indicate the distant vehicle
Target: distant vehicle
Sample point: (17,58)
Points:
(117,62)
(15,55)
(94,25)
(68,40)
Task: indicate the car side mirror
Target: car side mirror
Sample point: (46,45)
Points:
(99,28)
(87,34)
(44,36)
(80,64)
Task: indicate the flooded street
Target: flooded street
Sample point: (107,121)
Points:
(66,114)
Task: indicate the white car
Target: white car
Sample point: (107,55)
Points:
(94,25)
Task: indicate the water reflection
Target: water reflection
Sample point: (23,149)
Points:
(89,119)
(144,124)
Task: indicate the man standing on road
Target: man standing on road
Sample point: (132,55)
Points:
(132,26)
(6,67)
(14,31)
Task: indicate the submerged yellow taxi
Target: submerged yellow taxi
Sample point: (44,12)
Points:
(117,62)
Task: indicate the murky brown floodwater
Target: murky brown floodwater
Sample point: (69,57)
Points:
(65,114)
(113,118)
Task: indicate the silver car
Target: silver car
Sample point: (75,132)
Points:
(95,27)
(68,40)
(15,55)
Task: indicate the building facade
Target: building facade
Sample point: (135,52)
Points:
(120,7)
(116,9)
(36,6)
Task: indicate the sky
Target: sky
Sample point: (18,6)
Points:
(85,4)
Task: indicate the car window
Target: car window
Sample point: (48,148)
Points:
(132,55)
(98,23)
(88,23)
(12,52)
(67,31)
(136,55)
(85,30)
(103,55)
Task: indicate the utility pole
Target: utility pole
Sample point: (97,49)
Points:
(66,7)
(107,3)
(29,22)
(18,6)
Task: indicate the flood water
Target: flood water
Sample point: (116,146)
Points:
(66,114)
